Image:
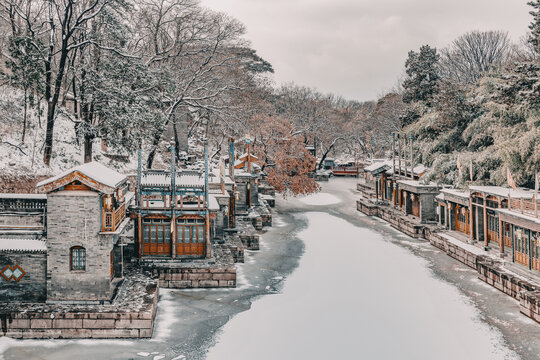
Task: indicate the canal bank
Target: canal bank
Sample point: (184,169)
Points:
(191,321)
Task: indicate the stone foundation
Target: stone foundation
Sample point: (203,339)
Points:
(217,272)
(131,315)
(367,207)
(489,270)
(251,242)
(196,278)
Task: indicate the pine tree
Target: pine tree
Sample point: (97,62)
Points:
(422,75)
(534,36)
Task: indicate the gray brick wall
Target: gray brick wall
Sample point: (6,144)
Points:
(428,207)
(68,214)
(21,220)
(32,287)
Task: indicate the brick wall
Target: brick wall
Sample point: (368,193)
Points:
(74,219)
(32,287)
(196,278)
(82,324)
(21,220)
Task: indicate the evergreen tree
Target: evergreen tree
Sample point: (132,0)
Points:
(534,36)
(26,71)
(422,75)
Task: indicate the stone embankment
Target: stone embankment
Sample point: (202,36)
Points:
(130,315)
(489,269)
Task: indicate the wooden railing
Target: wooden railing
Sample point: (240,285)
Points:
(112,219)
(524,206)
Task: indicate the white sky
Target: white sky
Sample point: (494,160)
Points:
(357,48)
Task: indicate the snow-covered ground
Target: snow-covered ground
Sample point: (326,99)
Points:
(320,199)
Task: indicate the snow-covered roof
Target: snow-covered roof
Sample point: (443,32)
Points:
(378,165)
(521,193)
(22,245)
(527,217)
(244,155)
(212,202)
(93,170)
(23,196)
(163,179)
(455,192)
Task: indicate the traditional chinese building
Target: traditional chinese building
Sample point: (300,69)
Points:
(86,214)
(453,210)
(62,245)
(417,199)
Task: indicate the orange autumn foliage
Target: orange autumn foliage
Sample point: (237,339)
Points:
(283,155)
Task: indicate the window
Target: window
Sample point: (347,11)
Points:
(78,258)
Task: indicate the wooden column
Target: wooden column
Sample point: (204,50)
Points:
(139,230)
(173,235)
(471,216)
(207,233)
(486,241)
(501,231)
(529,251)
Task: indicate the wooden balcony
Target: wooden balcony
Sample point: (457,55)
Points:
(525,206)
(112,219)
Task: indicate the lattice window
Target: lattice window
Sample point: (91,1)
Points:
(78,258)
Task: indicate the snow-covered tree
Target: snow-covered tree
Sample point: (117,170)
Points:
(534,26)
(473,54)
(423,78)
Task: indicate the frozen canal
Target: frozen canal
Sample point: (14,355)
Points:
(328,283)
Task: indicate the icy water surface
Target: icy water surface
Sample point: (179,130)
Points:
(328,283)
(357,296)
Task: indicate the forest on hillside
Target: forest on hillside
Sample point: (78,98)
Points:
(473,108)
(139,73)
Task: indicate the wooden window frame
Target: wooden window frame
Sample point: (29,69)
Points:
(77,248)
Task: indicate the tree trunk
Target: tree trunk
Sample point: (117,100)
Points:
(88,141)
(24,116)
(176,142)
(325,154)
(157,138)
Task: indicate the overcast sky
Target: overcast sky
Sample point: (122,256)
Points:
(357,48)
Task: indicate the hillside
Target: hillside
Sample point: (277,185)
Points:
(493,124)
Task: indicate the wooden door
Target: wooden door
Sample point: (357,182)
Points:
(492,227)
(535,251)
(156,235)
(521,248)
(190,240)
(461,215)
(507,235)
(112,263)
(415,209)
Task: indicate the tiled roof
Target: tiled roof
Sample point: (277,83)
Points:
(22,245)
(183,179)
(93,170)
